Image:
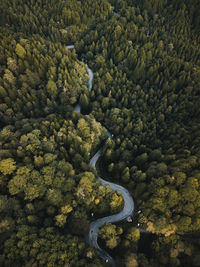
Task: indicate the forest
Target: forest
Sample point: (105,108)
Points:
(145,55)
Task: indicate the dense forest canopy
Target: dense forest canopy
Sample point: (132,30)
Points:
(146,91)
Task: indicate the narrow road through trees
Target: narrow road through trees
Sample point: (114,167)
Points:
(128,208)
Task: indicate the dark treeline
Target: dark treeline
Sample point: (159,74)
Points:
(146,61)
(57,20)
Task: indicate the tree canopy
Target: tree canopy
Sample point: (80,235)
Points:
(145,56)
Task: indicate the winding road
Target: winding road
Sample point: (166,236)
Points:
(128,208)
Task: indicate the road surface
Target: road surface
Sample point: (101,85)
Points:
(128,208)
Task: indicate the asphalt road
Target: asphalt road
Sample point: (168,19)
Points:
(127,211)
(128,208)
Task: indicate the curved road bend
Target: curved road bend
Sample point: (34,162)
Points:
(128,208)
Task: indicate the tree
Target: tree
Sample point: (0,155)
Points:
(60,220)
(133,234)
(6,224)
(20,51)
(7,166)
(38,161)
(184,223)
(117,32)
(179,178)
(131,260)
(54,197)
(188,193)
(141,159)
(105,103)
(3,92)
(52,88)
(12,64)
(33,191)
(155,155)
(108,77)
(173,198)
(110,233)
(161,169)
(99,62)
(112,242)
(126,175)
(84,102)
(49,174)
(83,128)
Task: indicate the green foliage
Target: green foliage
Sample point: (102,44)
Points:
(146,61)
(110,233)
(131,260)
(20,51)
(84,102)
(133,234)
(7,166)
(52,89)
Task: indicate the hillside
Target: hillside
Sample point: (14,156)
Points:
(145,56)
